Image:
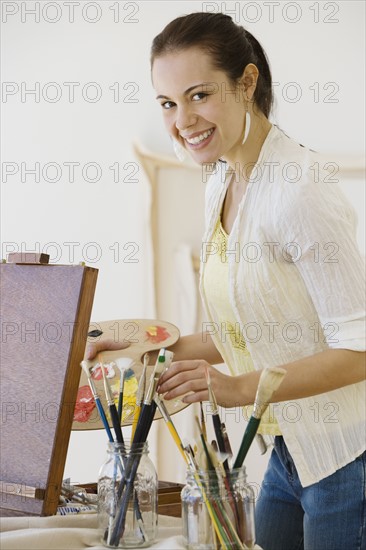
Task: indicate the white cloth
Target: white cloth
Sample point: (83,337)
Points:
(75,533)
(296,282)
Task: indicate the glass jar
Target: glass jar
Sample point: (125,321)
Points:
(217,510)
(128,497)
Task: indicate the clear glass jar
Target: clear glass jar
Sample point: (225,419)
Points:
(128,497)
(208,499)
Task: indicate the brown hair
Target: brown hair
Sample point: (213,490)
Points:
(231,48)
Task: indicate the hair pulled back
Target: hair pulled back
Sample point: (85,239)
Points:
(230,46)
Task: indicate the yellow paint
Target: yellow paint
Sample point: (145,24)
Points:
(129,397)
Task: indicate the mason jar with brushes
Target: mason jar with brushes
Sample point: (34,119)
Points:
(128,482)
(218,510)
(140,510)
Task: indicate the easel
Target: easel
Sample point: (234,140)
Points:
(45,314)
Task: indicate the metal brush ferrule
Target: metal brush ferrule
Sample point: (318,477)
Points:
(154,380)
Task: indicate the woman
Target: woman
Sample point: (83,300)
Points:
(281,282)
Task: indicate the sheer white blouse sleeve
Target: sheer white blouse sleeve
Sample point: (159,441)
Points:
(318,225)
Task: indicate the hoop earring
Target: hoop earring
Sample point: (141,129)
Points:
(179,150)
(247,125)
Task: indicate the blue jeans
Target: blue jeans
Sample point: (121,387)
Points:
(328,515)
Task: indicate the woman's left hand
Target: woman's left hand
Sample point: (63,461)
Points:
(188,378)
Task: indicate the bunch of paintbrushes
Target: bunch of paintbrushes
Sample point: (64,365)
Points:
(211,461)
(129,462)
(209,478)
(213,474)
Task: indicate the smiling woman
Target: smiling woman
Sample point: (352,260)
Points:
(193,113)
(214,85)
(205,110)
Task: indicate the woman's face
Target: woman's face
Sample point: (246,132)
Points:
(202,109)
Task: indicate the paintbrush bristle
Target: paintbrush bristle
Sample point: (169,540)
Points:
(269,382)
(123,362)
(85,365)
(154,379)
(107,388)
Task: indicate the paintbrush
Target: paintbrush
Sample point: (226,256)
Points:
(123,363)
(228,449)
(85,365)
(140,394)
(168,421)
(149,405)
(216,419)
(203,421)
(163,362)
(269,382)
(112,407)
(208,454)
(172,429)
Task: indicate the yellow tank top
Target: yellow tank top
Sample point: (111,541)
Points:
(229,338)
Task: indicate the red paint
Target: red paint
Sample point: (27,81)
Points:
(97,374)
(85,404)
(157,334)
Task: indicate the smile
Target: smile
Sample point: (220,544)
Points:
(201,137)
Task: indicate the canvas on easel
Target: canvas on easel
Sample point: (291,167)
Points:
(45,315)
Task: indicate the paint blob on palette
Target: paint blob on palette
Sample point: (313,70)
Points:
(157,334)
(109,369)
(143,336)
(85,405)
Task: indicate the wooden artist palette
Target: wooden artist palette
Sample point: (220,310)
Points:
(144,335)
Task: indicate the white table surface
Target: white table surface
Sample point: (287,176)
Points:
(74,532)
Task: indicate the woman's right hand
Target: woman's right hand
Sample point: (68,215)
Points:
(93,348)
(187,380)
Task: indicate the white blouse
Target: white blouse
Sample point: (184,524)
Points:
(296,279)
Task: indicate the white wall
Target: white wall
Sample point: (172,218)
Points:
(320,52)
